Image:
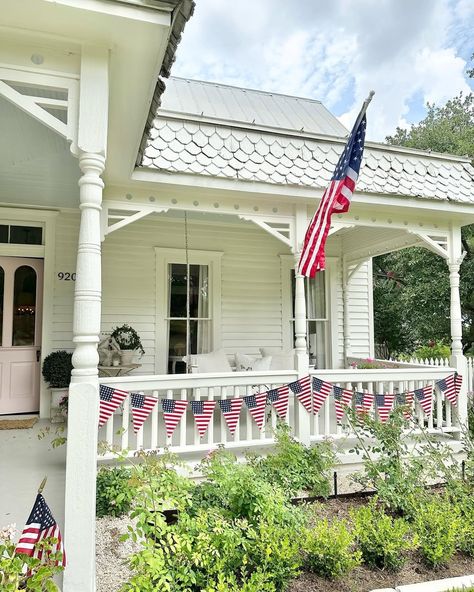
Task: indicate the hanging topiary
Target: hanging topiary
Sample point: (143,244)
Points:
(127,338)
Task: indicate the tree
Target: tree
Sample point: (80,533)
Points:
(411,286)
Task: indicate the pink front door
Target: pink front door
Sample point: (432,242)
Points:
(21,287)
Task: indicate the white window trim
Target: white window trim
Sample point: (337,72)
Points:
(287,264)
(165,256)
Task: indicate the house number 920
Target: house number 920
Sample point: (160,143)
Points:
(66,276)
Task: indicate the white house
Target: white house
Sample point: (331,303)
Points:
(106,197)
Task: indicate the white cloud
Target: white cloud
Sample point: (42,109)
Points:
(334,51)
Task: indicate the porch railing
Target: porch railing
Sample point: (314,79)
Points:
(185,441)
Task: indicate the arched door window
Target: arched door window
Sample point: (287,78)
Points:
(24,306)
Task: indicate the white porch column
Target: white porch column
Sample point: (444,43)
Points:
(457,360)
(83,393)
(345,303)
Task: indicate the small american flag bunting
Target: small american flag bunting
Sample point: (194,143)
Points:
(457,383)
(109,400)
(231,411)
(40,526)
(384,405)
(405,400)
(256,406)
(173,410)
(141,406)
(202,411)
(363,402)
(321,390)
(424,397)
(279,399)
(448,387)
(342,398)
(302,389)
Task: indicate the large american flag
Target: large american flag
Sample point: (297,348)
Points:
(109,400)
(231,411)
(336,198)
(141,406)
(173,411)
(40,526)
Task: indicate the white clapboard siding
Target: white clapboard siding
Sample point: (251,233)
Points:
(359,313)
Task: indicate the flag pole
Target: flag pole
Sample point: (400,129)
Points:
(365,104)
(42,485)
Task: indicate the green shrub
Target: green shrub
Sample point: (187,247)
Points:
(57,368)
(328,549)
(294,467)
(382,539)
(256,582)
(114,492)
(437,525)
(435,349)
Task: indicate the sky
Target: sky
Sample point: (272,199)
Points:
(408,51)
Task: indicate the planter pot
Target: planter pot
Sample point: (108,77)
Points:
(126,356)
(57,415)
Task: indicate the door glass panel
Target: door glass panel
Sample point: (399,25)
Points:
(26,235)
(3,233)
(2,289)
(24,306)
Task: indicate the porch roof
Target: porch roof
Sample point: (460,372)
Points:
(237,136)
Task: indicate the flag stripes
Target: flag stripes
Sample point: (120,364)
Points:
(109,401)
(141,406)
(202,411)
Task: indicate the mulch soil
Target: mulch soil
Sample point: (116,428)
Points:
(363,579)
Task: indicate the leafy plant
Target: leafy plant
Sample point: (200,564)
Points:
(114,494)
(382,539)
(295,467)
(57,368)
(328,549)
(127,338)
(437,524)
(434,349)
(368,364)
(21,572)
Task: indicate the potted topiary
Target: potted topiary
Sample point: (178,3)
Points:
(57,367)
(129,342)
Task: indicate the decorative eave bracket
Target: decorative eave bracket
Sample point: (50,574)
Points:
(118,215)
(281,228)
(437,243)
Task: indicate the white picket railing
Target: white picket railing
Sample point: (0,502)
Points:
(185,441)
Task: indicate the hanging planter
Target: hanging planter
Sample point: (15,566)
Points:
(129,342)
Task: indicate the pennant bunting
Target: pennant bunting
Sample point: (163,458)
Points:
(457,383)
(173,411)
(321,390)
(359,402)
(342,398)
(231,411)
(279,399)
(109,401)
(405,400)
(302,389)
(141,406)
(424,397)
(448,387)
(384,406)
(202,411)
(256,406)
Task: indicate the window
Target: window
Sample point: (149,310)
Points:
(21,235)
(175,325)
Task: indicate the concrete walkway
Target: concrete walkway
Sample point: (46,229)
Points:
(24,461)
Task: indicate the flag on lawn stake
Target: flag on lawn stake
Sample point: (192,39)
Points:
(302,389)
(384,406)
(336,198)
(279,399)
(256,406)
(109,400)
(40,526)
(202,411)
(405,400)
(321,390)
(424,397)
(141,406)
(231,411)
(342,398)
(173,411)
(448,387)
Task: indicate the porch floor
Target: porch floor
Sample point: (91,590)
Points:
(24,461)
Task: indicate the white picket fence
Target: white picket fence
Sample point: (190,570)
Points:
(185,441)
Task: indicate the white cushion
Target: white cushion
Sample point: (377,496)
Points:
(281,359)
(244,363)
(215,361)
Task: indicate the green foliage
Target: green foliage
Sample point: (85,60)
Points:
(127,338)
(329,549)
(57,368)
(294,467)
(437,525)
(20,572)
(434,349)
(114,493)
(383,540)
